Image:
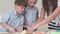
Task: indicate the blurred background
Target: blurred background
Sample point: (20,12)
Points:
(6,5)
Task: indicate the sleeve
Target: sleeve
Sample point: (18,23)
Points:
(58,2)
(5,18)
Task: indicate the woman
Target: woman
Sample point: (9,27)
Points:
(49,6)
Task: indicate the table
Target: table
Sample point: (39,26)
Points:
(20,33)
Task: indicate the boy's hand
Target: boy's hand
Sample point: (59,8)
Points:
(19,29)
(12,30)
(8,27)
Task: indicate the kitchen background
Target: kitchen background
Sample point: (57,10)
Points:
(6,5)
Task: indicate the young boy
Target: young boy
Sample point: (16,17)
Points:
(13,21)
(31,13)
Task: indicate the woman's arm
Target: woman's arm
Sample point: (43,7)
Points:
(47,20)
(50,17)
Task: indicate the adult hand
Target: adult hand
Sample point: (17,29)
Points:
(31,28)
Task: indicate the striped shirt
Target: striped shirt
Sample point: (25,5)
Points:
(54,24)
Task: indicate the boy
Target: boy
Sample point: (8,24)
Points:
(31,13)
(13,20)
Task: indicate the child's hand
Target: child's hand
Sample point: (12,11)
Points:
(19,29)
(12,30)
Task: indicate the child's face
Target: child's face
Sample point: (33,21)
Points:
(19,9)
(32,3)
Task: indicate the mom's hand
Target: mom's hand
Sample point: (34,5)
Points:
(31,28)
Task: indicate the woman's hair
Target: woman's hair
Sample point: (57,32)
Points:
(47,3)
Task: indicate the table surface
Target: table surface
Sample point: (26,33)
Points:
(33,33)
(20,33)
(29,33)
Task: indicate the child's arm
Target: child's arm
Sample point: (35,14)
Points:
(4,22)
(8,27)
